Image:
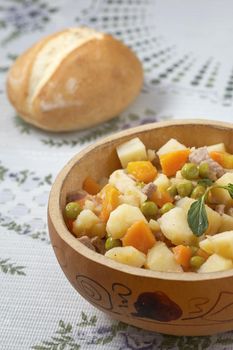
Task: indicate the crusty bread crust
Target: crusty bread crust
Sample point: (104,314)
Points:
(91,84)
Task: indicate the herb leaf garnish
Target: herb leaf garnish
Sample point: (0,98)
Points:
(197,217)
(229,188)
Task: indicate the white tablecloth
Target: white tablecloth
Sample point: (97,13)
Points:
(186,49)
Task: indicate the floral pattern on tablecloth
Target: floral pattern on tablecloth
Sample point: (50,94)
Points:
(39,309)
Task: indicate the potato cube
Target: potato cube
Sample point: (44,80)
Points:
(127,255)
(221,243)
(215,263)
(130,151)
(162,182)
(126,185)
(218,147)
(171,146)
(219,195)
(160,258)
(174,226)
(84,222)
(226,223)
(122,218)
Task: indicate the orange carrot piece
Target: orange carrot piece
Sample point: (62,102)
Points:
(110,201)
(142,170)
(217,156)
(91,186)
(182,255)
(139,236)
(161,197)
(223,158)
(173,161)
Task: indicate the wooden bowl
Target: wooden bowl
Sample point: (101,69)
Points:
(172,303)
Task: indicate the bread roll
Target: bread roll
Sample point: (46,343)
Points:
(74,79)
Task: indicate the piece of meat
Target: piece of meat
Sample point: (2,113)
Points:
(87,242)
(99,244)
(201,155)
(220,208)
(198,155)
(156,161)
(148,189)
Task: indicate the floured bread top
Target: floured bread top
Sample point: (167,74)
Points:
(53,52)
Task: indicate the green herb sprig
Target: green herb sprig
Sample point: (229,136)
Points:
(197,216)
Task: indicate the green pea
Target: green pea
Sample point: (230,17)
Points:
(72,210)
(184,189)
(172,190)
(204,170)
(149,209)
(112,243)
(190,171)
(196,261)
(166,207)
(198,191)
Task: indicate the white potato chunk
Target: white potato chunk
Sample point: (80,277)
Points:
(122,218)
(84,222)
(89,205)
(171,146)
(215,263)
(185,203)
(130,151)
(121,180)
(162,181)
(174,226)
(221,243)
(160,258)
(218,147)
(129,199)
(214,218)
(126,185)
(226,223)
(127,255)
(219,195)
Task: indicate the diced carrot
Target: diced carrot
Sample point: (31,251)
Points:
(142,170)
(223,158)
(173,161)
(91,186)
(161,197)
(182,255)
(202,253)
(110,201)
(139,236)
